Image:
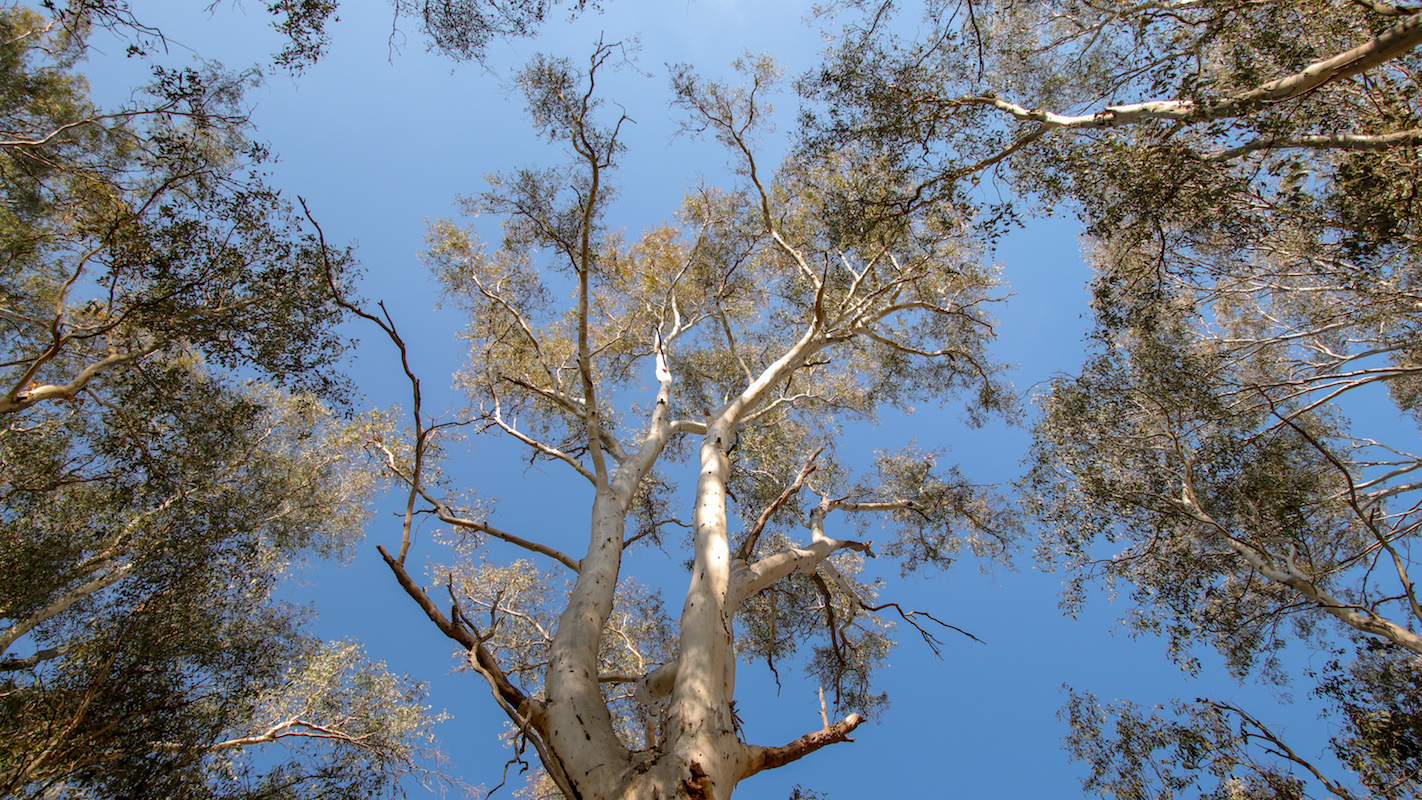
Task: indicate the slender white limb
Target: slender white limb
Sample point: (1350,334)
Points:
(1397,40)
(1357,617)
(547,450)
(446,515)
(69,598)
(294,726)
(34,659)
(1341,141)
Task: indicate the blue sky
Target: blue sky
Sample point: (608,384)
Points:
(381,136)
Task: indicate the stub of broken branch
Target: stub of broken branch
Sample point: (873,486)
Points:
(763,758)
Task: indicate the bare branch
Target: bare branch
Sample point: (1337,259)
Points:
(388,326)
(748,547)
(763,758)
(446,515)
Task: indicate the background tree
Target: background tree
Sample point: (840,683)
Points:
(166,454)
(766,317)
(1246,173)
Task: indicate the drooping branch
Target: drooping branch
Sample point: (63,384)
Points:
(293,727)
(1340,141)
(610,443)
(539,447)
(911,618)
(1277,745)
(1288,574)
(832,625)
(1366,519)
(448,515)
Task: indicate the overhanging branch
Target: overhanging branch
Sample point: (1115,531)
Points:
(1400,38)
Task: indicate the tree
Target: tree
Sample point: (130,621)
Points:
(1246,174)
(765,317)
(168,451)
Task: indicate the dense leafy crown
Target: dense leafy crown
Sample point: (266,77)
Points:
(1247,174)
(167,452)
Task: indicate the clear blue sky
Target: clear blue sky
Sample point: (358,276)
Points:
(378,141)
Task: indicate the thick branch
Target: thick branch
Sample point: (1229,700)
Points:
(39,656)
(752,579)
(69,598)
(22,398)
(763,758)
(1340,141)
(1357,617)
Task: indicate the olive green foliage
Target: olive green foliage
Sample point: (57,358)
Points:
(463,29)
(1248,196)
(168,452)
(1202,749)
(1378,704)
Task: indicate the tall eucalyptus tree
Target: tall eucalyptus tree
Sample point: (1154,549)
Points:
(739,339)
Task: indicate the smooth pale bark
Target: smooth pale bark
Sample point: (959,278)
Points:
(699,754)
(1289,574)
(21,627)
(703,754)
(700,727)
(1338,141)
(578,726)
(1398,39)
(26,395)
(699,718)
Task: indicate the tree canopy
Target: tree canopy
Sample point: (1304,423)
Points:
(168,452)
(179,430)
(1245,174)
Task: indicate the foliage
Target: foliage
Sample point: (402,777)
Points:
(463,29)
(168,452)
(1246,172)
(1246,176)
(1377,699)
(767,317)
